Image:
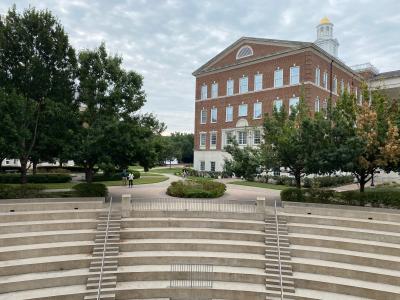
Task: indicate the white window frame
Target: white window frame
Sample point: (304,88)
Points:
(243,84)
(317,76)
(278,78)
(240,55)
(297,99)
(258,82)
(228,135)
(257,104)
(317,105)
(203,95)
(294,78)
(212,145)
(281,104)
(348,88)
(239,110)
(202,165)
(242,137)
(325,80)
(201,135)
(214,90)
(230,87)
(257,139)
(342,86)
(214,115)
(203,113)
(230,108)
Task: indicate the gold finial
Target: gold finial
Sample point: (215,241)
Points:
(324,20)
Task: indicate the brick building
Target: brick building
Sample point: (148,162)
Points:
(246,80)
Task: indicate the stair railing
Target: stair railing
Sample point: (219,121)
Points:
(279,250)
(104,250)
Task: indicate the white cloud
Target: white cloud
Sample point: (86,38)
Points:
(166,40)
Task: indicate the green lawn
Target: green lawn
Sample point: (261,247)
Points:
(260,185)
(146,174)
(143,180)
(167,170)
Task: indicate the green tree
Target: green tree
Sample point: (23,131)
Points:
(246,162)
(184,144)
(112,132)
(289,141)
(365,137)
(37,65)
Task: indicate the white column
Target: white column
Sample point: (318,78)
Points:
(126,205)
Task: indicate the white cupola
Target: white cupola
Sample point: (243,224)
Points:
(325,38)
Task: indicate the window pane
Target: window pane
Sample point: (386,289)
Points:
(213,115)
(316,108)
(257,137)
(229,113)
(204,92)
(258,82)
(229,87)
(202,165)
(317,76)
(203,117)
(293,102)
(278,105)
(242,138)
(213,139)
(214,90)
(294,75)
(257,110)
(202,139)
(243,110)
(278,78)
(229,138)
(244,85)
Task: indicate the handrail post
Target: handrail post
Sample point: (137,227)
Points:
(104,251)
(279,250)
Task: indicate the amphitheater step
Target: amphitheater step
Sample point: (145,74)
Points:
(108,296)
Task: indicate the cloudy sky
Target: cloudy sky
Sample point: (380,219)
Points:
(167,40)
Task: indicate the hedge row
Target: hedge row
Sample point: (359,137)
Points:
(196,189)
(388,198)
(38,178)
(113,177)
(90,190)
(328,181)
(20,191)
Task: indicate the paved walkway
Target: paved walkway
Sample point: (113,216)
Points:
(158,190)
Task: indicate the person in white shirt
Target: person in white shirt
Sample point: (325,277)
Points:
(130,179)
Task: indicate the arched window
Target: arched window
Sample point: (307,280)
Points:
(244,52)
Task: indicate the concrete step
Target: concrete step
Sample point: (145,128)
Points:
(358,288)
(104,296)
(104,284)
(273,287)
(190,233)
(105,268)
(275,271)
(107,253)
(345,244)
(106,262)
(365,223)
(345,232)
(193,245)
(105,278)
(187,222)
(46,225)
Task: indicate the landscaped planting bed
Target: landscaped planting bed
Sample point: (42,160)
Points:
(196,189)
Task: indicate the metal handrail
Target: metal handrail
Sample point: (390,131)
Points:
(279,251)
(104,251)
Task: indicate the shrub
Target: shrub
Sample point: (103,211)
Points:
(292,195)
(284,180)
(114,176)
(90,190)
(196,189)
(38,178)
(377,198)
(20,191)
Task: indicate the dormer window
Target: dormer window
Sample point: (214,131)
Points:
(245,51)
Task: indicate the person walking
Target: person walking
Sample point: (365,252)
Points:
(130,180)
(124,177)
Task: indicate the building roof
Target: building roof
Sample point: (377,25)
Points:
(292,45)
(386,75)
(245,39)
(324,20)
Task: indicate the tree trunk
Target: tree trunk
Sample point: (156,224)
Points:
(89,174)
(24,163)
(34,167)
(297,177)
(362,183)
